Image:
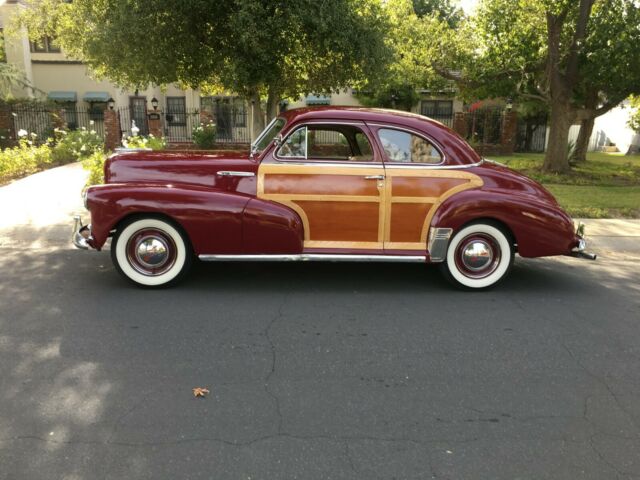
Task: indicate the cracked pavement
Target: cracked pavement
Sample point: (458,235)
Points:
(316,371)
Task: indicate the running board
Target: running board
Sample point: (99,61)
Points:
(314,257)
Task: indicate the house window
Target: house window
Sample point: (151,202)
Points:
(45,45)
(96,111)
(70,114)
(436,108)
(176,111)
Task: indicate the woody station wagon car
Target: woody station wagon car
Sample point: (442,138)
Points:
(337,184)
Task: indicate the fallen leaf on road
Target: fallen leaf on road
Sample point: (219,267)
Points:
(200,392)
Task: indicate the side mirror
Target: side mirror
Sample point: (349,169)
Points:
(278,140)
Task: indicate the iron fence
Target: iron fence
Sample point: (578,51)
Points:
(445,119)
(177,123)
(484,126)
(43,120)
(531,135)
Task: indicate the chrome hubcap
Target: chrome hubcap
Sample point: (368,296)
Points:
(477,255)
(152,252)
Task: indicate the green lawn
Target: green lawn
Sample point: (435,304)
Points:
(606,186)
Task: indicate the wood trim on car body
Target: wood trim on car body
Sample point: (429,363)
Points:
(289,196)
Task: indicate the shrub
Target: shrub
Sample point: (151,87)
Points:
(204,135)
(24,159)
(95,165)
(137,141)
(74,145)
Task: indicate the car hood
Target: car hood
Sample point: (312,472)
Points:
(175,167)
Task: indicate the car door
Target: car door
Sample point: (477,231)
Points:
(332,176)
(417,182)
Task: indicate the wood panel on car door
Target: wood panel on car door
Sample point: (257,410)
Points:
(340,205)
(412,196)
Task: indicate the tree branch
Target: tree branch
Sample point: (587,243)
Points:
(578,41)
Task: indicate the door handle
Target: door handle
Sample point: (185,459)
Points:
(374,177)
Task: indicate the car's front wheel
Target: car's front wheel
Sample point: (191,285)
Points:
(479,256)
(151,252)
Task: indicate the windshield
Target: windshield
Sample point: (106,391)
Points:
(268,134)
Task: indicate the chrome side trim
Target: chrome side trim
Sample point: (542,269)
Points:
(438,243)
(313,257)
(231,173)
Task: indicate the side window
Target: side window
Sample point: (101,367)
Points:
(328,145)
(343,143)
(295,146)
(405,147)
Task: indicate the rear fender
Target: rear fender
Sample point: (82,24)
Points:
(540,228)
(211,218)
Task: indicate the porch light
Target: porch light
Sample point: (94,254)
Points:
(154,103)
(509,105)
(111,103)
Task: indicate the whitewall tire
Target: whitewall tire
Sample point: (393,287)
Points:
(479,256)
(151,252)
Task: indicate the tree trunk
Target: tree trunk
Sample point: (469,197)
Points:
(582,144)
(257,115)
(557,159)
(273,100)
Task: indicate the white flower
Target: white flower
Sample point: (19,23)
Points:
(22,132)
(91,122)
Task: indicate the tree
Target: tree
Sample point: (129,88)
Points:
(254,48)
(578,57)
(413,26)
(634,118)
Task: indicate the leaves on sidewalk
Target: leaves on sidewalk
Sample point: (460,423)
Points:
(200,392)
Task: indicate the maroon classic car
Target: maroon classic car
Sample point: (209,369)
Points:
(337,184)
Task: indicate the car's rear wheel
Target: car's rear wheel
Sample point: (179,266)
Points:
(151,252)
(479,256)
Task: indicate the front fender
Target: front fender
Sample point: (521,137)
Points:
(540,227)
(211,218)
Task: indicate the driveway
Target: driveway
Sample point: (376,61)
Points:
(316,371)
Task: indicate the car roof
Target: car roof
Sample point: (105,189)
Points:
(459,152)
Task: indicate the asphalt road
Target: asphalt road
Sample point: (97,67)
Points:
(316,371)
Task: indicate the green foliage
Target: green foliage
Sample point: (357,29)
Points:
(204,135)
(64,147)
(94,164)
(634,117)
(140,141)
(402,97)
(250,47)
(444,9)
(606,186)
(24,159)
(73,145)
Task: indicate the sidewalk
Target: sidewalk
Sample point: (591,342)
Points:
(613,236)
(36,212)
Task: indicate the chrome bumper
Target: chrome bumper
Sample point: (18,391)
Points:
(578,251)
(81,236)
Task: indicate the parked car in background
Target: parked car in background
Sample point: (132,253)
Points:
(336,184)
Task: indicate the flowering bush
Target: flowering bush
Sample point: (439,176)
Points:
(137,141)
(74,145)
(24,159)
(204,135)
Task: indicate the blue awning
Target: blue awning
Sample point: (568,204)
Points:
(96,97)
(62,96)
(318,100)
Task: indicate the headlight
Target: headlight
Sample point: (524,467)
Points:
(84,199)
